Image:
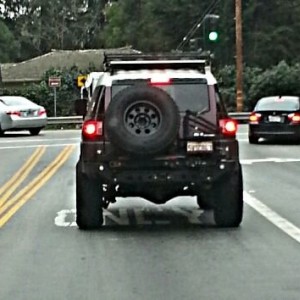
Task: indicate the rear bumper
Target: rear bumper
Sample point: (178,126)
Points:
(23,123)
(179,172)
(274,130)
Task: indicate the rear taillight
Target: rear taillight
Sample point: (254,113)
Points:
(42,112)
(92,129)
(254,118)
(228,127)
(294,118)
(13,113)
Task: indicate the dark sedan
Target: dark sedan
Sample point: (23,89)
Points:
(276,116)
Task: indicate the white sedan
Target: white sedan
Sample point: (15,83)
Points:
(19,113)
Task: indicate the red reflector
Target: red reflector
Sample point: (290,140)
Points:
(42,112)
(92,129)
(228,127)
(13,113)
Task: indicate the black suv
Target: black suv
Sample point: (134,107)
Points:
(156,128)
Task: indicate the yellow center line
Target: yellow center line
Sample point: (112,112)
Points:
(20,176)
(15,203)
(14,178)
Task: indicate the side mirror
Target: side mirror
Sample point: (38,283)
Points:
(80,107)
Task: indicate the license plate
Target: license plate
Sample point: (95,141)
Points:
(206,146)
(274,118)
(29,113)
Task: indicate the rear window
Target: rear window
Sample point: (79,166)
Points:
(284,103)
(13,101)
(191,96)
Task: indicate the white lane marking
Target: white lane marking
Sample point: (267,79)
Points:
(34,146)
(270,159)
(283,224)
(37,140)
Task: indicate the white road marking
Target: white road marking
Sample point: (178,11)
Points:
(66,217)
(140,218)
(34,146)
(283,224)
(61,218)
(122,219)
(192,215)
(270,159)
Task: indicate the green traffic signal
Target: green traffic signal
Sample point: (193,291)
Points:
(213,36)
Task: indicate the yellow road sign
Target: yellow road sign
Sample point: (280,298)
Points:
(81,79)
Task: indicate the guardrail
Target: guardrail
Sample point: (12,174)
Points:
(242,117)
(73,120)
(77,120)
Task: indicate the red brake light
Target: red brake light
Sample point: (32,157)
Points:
(295,118)
(91,129)
(13,113)
(160,80)
(229,127)
(42,112)
(254,118)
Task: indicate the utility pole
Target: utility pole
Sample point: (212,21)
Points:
(239,55)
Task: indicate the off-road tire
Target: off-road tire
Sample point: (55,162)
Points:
(204,204)
(142,120)
(228,208)
(89,194)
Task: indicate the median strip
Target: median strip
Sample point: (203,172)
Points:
(16,202)
(15,181)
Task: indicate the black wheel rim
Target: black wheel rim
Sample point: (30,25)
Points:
(142,118)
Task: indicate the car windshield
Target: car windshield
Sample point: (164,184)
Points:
(191,96)
(284,104)
(14,101)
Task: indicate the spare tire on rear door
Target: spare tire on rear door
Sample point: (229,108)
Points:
(142,120)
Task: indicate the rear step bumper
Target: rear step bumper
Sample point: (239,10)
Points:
(193,172)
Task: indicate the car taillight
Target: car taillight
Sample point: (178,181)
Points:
(229,127)
(92,129)
(42,112)
(13,113)
(294,118)
(254,118)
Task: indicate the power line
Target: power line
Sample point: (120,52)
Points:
(197,25)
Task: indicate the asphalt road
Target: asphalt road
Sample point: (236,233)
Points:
(144,251)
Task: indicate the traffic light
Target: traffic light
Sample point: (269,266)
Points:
(213,36)
(212,31)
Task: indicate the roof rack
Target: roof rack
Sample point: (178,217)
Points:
(134,61)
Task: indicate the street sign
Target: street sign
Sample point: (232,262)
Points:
(54,82)
(81,79)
